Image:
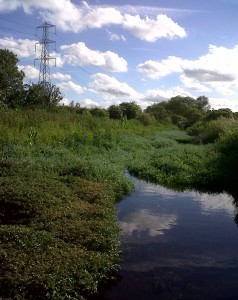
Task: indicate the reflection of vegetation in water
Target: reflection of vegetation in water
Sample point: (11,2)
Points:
(61,173)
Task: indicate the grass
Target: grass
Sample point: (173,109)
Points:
(61,174)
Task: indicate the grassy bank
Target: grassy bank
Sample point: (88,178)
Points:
(61,174)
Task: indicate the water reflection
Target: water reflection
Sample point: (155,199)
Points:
(145,221)
(177,245)
(211,203)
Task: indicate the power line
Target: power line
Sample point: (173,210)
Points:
(11,29)
(17,23)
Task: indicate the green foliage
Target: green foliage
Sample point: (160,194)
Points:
(217,114)
(227,160)
(42,95)
(99,112)
(11,80)
(208,132)
(115,112)
(61,173)
(147,119)
(128,110)
(182,111)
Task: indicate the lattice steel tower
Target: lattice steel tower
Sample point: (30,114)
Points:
(44,74)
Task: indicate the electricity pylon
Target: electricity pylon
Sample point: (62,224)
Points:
(44,74)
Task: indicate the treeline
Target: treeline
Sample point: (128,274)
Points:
(193,115)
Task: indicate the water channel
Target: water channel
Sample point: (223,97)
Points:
(176,245)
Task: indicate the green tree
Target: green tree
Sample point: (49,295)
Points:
(220,113)
(202,103)
(115,112)
(11,79)
(130,110)
(159,111)
(42,94)
(99,112)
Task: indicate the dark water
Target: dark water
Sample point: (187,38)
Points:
(177,245)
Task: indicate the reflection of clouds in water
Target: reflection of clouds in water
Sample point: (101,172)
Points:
(143,221)
(152,189)
(215,202)
(210,203)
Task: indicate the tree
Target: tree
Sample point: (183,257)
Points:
(115,112)
(11,79)
(99,112)
(220,113)
(42,94)
(130,110)
(202,103)
(159,111)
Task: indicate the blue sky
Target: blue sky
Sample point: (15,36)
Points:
(147,51)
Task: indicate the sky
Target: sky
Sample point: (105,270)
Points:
(111,51)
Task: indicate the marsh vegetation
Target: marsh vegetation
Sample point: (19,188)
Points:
(62,169)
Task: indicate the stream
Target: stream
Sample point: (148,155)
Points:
(176,245)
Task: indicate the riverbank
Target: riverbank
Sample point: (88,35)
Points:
(61,174)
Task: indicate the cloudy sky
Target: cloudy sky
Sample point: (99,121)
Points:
(111,51)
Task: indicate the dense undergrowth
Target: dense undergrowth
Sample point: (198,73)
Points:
(60,176)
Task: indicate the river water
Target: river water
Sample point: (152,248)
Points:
(176,245)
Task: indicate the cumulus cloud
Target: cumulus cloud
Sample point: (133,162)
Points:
(159,95)
(80,54)
(220,102)
(150,30)
(112,89)
(89,103)
(194,84)
(68,16)
(205,75)
(116,37)
(20,47)
(60,76)
(29,71)
(156,69)
(69,85)
(214,71)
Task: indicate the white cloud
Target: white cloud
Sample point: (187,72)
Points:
(215,71)
(156,69)
(217,68)
(219,102)
(194,84)
(112,89)
(78,18)
(69,85)
(152,29)
(88,103)
(116,37)
(159,95)
(60,76)
(79,54)
(68,16)
(20,47)
(65,101)
(59,60)
(30,72)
